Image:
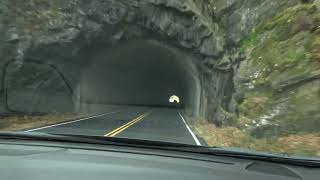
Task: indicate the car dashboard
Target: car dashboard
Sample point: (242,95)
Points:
(64,161)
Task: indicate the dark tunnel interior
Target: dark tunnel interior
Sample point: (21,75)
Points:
(136,73)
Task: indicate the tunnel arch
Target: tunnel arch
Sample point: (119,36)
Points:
(139,72)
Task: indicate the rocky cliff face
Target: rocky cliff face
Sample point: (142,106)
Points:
(245,52)
(279,79)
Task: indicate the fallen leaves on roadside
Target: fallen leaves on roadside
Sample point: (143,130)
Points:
(304,145)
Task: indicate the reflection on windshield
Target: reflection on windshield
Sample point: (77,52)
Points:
(210,73)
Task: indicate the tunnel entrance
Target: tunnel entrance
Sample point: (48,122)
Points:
(132,72)
(140,73)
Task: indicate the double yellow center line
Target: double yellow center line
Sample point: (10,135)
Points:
(125,126)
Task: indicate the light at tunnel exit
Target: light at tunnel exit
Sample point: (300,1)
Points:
(174,99)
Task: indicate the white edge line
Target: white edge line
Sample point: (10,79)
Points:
(82,119)
(192,134)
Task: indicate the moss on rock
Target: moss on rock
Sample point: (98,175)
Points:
(34,17)
(281,72)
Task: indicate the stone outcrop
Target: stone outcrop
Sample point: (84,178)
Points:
(213,33)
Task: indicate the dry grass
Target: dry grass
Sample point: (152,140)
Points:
(217,136)
(302,145)
(17,123)
(295,143)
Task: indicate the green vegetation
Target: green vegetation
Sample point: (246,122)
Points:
(283,68)
(280,79)
(31,20)
(211,6)
(249,41)
(284,25)
(255,105)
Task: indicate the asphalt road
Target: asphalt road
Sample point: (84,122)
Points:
(159,124)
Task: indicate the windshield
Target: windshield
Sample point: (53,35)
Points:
(230,74)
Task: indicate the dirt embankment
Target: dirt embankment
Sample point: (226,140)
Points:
(28,121)
(295,144)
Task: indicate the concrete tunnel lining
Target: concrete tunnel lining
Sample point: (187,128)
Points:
(139,72)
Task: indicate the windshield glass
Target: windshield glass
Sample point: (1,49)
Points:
(231,74)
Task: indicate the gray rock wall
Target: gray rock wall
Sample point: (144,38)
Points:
(208,32)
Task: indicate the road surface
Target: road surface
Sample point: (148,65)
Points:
(158,124)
